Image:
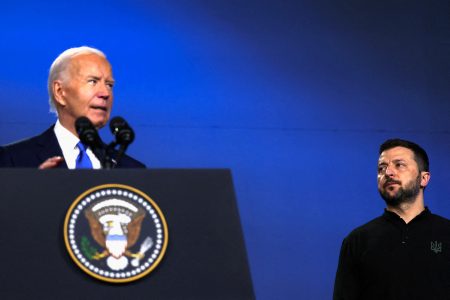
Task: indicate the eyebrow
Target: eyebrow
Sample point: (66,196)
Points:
(394,161)
(98,78)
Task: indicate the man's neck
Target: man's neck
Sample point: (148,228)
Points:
(409,210)
(69,125)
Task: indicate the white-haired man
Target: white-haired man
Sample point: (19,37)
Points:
(80,83)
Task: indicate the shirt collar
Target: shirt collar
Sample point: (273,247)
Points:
(66,139)
(68,143)
(393,217)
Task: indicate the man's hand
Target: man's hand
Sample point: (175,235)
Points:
(52,162)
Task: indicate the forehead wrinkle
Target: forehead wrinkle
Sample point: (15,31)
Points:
(385,162)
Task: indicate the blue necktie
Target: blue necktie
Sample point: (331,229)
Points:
(83,161)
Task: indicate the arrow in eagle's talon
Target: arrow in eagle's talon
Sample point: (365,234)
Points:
(146,244)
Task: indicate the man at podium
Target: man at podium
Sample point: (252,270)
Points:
(80,84)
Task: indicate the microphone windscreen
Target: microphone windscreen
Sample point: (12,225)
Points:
(86,132)
(116,124)
(122,131)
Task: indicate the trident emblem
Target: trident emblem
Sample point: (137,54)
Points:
(436,247)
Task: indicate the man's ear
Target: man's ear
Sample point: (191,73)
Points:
(424,178)
(59,92)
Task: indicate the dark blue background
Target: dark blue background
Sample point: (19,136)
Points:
(294,96)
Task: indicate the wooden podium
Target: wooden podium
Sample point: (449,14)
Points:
(205,257)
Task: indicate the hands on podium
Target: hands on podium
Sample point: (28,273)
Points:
(52,162)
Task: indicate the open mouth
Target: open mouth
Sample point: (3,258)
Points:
(102,108)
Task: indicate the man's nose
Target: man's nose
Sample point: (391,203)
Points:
(104,91)
(389,171)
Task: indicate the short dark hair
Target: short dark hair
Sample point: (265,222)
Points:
(420,156)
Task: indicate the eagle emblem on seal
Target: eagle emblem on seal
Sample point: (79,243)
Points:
(115,226)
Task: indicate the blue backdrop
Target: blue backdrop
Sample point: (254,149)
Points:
(293,96)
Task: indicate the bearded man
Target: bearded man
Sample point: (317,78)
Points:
(405,253)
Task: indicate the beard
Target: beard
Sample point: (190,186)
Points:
(407,194)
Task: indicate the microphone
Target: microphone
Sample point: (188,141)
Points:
(87,133)
(122,131)
(89,136)
(124,135)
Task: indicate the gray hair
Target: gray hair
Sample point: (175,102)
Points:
(59,67)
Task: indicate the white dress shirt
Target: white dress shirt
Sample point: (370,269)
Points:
(68,143)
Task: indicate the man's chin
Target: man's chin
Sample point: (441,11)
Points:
(98,118)
(395,199)
(99,123)
(392,198)
(393,202)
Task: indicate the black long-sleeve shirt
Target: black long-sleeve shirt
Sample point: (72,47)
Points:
(389,259)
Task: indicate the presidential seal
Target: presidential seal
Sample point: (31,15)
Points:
(115,233)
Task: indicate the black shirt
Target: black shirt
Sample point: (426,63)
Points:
(389,259)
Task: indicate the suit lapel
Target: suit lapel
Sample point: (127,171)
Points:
(49,146)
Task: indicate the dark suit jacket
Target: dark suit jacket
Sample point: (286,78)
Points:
(32,152)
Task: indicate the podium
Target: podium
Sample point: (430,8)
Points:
(205,256)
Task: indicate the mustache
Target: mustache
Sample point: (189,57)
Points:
(389,181)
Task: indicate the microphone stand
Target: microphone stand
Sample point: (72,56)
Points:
(122,149)
(108,161)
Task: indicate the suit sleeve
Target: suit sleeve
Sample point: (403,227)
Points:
(347,285)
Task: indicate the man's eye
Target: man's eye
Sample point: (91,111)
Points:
(381,169)
(92,81)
